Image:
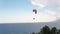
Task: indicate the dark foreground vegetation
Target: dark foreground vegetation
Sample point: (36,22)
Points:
(47,30)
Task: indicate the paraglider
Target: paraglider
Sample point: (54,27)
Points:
(35,12)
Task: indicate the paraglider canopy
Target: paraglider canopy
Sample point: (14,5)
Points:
(35,11)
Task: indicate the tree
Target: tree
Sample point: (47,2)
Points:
(58,31)
(45,30)
(54,30)
(38,33)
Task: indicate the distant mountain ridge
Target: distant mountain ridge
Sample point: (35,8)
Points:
(58,20)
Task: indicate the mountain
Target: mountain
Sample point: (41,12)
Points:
(57,21)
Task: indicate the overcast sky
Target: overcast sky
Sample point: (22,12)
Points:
(12,11)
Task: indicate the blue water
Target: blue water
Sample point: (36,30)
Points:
(24,28)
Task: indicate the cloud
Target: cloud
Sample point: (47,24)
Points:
(43,3)
(53,13)
(38,3)
(50,12)
(55,3)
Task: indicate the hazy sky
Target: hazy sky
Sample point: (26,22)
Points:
(21,10)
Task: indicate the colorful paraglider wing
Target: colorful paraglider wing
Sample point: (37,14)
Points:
(35,11)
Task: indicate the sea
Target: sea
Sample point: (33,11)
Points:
(24,28)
